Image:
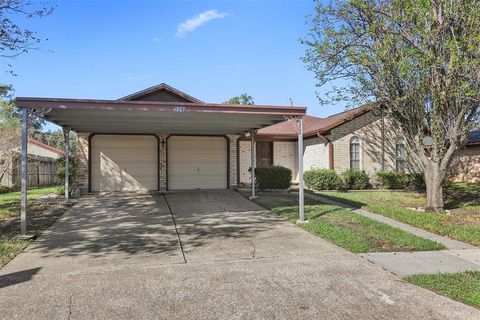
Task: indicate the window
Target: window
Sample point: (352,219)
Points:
(400,156)
(355,153)
(264,154)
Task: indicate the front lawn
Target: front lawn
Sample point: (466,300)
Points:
(463,287)
(10,202)
(345,228)
(40,217)
(461,225)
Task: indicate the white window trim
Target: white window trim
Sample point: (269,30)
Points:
(360,152)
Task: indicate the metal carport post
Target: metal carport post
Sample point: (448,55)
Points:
(66,136)
(253,161)
(23,175)
(301,207)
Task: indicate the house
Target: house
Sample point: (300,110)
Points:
(356,139)
(159,138)
(41,162)
(465,166)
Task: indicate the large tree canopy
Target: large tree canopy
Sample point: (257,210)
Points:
(419,60)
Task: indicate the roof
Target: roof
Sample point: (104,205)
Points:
(312,125)
(150,117)
(45,146)
(158,88)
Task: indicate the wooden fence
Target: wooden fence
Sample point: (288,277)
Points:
(41,173)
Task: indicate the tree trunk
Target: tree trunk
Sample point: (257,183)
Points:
(434,180)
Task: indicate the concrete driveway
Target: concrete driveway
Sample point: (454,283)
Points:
(200,255)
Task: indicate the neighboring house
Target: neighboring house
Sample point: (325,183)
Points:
(356,139)
(465,166)
(41,165)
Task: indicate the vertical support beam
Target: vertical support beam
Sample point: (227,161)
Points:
(383,138)
(253,160)
(66,135)
(301,207)
(23,179)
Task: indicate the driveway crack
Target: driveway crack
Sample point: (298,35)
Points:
(176,228)
(70,308)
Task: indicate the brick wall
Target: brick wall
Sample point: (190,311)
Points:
(315,154)
(162,158)
(81,154)
(369,129)
(284,154)
(465,166)
(244,162)
(232,153)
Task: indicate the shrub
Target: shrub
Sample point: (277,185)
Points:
(391,179)
(322,179)
(4,189)
(60,174)
(274,177)
(356,180)
(414,180)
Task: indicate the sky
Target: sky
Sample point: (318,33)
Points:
(212,50)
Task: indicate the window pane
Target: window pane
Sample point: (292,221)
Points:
(355,154)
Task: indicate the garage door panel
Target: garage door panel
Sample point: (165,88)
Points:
(197,163)
(124,163)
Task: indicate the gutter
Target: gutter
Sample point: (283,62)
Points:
(330,150)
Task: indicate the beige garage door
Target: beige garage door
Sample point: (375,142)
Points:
(124,163)
(197,163)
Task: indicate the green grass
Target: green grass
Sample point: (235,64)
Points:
(10,202)
(40,217)
(345,228)
(461,225)
(463,196)
(463,287)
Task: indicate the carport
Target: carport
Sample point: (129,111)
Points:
(151,117)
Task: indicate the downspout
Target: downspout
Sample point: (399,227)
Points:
(330,150)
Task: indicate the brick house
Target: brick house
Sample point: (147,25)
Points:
(354,139)
(156,139)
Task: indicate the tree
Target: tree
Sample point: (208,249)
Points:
(419,61)
(10,131)
(14,39)
(241,99)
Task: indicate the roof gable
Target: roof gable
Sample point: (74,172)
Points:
(162,92)
(312,125)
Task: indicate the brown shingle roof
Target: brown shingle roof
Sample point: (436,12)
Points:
(312,125)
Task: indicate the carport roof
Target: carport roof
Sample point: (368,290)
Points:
(123,116)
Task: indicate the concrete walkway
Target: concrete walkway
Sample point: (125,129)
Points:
(200,255)
(458,257)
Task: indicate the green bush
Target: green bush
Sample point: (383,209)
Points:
(391,179)
(60,174)
(274,177)
(322,179)
(4,189)
(356,180)
(414,180)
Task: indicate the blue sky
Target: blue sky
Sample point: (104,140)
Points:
(108,49)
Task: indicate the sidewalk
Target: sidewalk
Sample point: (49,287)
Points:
(458,257)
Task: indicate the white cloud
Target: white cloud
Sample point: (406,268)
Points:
(195,22)
(156,40)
